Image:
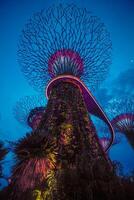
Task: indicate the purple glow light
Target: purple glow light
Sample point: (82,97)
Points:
(65,59)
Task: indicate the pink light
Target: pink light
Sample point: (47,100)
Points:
(104,142)
(32,173)
(36,120)
(65,53)
(124,122)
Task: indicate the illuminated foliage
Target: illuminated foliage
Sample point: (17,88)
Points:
(37,194)
(50,185)
(35,156)
(66,134)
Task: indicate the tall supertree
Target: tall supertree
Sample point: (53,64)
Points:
(68,47)
(29,110)
(66,44)
(121,112)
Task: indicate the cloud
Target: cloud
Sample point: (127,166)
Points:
(123,85)
(103,96)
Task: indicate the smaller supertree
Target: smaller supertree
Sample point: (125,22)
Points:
(29,110)
(121,112)
(104,135)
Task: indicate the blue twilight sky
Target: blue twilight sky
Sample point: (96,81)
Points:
(118,16)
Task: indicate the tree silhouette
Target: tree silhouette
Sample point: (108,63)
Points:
(121,112)
(29,110)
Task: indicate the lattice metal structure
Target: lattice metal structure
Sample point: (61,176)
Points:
(64,40)
(121,112)
(29,110)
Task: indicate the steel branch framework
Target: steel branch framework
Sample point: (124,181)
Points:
(63,31)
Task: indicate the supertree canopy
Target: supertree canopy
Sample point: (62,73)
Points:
(64,40)
(63,159)
(121,112)
(29,110)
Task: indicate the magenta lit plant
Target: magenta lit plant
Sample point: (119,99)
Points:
(35,157)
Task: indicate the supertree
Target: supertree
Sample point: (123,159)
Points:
(121,112)
(73,44)
(104,135)
(68,40)
(67,46)
(29,110)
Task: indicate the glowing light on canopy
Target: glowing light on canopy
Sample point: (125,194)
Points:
(121,112)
